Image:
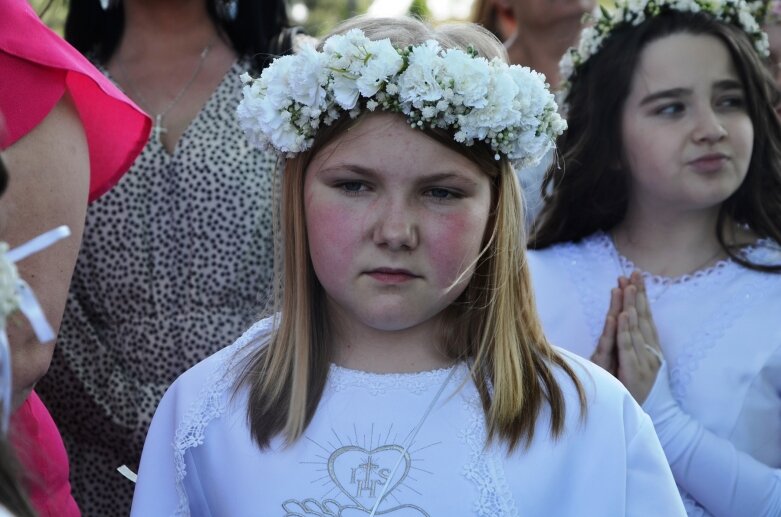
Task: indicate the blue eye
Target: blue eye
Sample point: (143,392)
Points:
(732,101)
(674,108)
(351,187)
(440,193)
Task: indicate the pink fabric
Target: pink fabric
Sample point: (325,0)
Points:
(37,67)
(40,450)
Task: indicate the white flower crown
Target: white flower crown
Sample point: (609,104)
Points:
(508,107)
(635,12)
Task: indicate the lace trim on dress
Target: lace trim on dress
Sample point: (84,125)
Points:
(341,378)
(762,251)
(485,469)
(209,405)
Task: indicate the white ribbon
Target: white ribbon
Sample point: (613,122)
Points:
(125,471)
(33,311)
(28,303)
(37,244)
(5,388)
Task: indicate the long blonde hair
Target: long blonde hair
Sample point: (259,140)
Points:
(493,323)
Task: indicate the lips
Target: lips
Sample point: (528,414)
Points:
(708,163)
(388,275)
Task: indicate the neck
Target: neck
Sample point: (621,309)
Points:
(668,242)
(673,243)
(165,29)
(359,347)
(541,48)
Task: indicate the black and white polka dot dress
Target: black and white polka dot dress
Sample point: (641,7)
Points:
(176,263)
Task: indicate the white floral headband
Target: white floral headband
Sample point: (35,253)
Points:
(508,107)
(634,12)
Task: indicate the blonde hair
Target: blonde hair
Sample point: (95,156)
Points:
(494,322)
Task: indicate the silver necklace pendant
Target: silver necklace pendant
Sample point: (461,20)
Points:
(158,129)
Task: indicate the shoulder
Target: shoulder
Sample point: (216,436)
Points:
(43,66)
(572,250)
(596,382)
(558,270)
(544,263)
(765,252)
(609,406)
(217,373)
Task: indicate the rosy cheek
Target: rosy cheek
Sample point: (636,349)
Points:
(455,241)
(331,230)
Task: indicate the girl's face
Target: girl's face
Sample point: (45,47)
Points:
(687,137)
(395,222)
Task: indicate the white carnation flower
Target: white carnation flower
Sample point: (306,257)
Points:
(345,90)
(467,76)
(383,62)
(418,83)
(344,51)
(306,78)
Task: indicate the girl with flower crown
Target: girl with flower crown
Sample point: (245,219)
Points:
(663,226)
(405,373)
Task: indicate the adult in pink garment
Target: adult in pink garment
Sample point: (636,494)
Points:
(177,259)
(68,136)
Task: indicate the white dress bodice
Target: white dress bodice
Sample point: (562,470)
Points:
(199,458)
(720,332)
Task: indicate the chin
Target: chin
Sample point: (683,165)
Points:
(394,318)
(391,323)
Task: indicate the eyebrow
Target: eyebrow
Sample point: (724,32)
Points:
(676,93)
(371,173)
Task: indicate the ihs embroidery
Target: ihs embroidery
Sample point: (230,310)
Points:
(353,475)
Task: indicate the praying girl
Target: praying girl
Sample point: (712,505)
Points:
(657,253)
(405,372)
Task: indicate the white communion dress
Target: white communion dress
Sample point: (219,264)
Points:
(199,458)
(716,402)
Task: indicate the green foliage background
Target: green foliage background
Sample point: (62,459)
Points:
(325,14)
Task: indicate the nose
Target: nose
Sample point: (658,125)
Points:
(395,225)
(709,127)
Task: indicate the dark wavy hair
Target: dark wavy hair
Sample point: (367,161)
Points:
(590,191)
(96,33)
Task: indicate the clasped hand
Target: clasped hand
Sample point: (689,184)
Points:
(629,345)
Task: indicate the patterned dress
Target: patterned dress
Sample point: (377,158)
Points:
(177,261)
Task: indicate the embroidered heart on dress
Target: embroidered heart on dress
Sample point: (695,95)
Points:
(360,474)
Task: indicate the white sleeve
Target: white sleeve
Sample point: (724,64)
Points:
(723,480)
(650,488)
(156,492)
